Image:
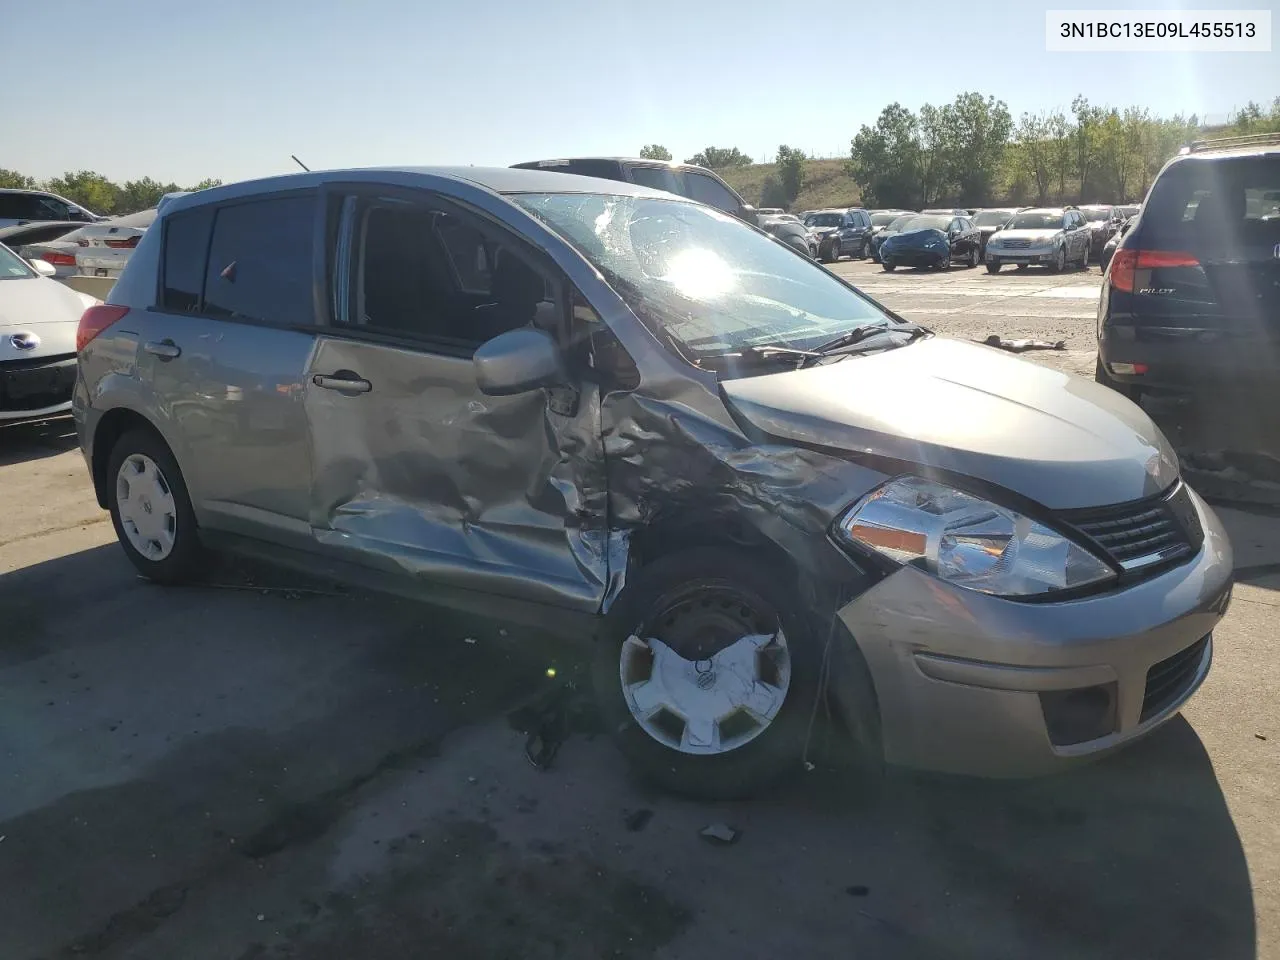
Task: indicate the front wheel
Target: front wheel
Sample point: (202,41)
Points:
(1059,262)
(888,267)
(945,264)
(832,255)
(974,258)
(706,674)
(151,510)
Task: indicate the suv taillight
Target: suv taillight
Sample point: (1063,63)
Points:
(94,320)
(1125,265)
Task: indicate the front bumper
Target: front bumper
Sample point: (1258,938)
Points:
(1045,254)
(970,683)
(36,389)
(912,258)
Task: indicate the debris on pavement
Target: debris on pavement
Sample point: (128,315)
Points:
(1258,735)
(636,820)
(468,639)
(550,718)
(1022,345)
(720,834)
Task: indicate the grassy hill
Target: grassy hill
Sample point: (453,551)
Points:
(825,184)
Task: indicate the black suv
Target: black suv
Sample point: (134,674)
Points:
(684,179)
(841,232)
(1191,298)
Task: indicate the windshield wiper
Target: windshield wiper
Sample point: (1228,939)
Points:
(859,334)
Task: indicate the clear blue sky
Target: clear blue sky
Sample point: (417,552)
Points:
(181,90)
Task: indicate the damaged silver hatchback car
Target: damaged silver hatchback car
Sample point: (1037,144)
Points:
(624,415)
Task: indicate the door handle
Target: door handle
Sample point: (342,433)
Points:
(164,349)
(344,381)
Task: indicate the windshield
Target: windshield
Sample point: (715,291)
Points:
(896,225)
(1127,211)
(880,219)
(701,276)
(1096,213)
(1036,221)
(926,223)
(991,218)
(12,266)
(824,220)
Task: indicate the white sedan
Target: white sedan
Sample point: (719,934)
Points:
(38,322)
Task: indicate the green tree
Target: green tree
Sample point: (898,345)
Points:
(718,158)
(883,159)
(1060,136)
(205,184)
(1085,140)
(655,151)
(142,194)
(772,192)
(1034,141)
(934,162)
(13,180)
(974,133)
(790,172)
(91,190)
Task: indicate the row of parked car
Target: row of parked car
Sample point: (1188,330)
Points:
(599,407)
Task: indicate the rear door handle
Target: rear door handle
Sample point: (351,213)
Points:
(344,381)
(164,349)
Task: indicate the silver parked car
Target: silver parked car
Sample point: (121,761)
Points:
(604,408)
(104,248)
(1053,237)
(24,206)
(38,322)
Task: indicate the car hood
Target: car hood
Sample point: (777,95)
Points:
(1035,236)
(988,231)
(1058,439)
(44,307)
(822,231)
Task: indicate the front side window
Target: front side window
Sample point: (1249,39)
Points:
(20,206)
(260,262)
(711,192)
(823,220)
(427,274)
(701,277)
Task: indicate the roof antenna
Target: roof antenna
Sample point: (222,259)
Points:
(300,163)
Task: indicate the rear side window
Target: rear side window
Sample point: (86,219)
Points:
(705,190)
(186,244)
(1237,198)
(260,262)
(660,178)
(19,206)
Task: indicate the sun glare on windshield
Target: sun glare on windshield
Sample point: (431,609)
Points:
(699,274)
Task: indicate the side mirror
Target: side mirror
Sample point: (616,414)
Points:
(43,267)
(518,361)
(749,213)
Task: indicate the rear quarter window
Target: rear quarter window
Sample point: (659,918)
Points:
(260,261)
(186,245)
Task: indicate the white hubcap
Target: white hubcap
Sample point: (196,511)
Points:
(145,504)
(706,706)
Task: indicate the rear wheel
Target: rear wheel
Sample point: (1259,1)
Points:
(151,510)
(993,266)
(973,257)
(706,673)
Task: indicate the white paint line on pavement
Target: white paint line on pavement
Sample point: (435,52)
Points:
(1071,293)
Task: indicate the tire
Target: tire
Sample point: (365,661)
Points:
(864,251)
(176,561)
(1060,263)
(993,266)
(974,258)
(833,253)
(888,267)
(674,590)
(1021,267)
(945,264)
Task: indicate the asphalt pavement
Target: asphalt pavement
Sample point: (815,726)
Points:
(265,766)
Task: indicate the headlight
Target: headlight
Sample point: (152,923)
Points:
(968,541)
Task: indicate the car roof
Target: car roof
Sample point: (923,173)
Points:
(497,179)
(1058,210)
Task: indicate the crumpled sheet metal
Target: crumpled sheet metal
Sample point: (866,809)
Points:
(496,494)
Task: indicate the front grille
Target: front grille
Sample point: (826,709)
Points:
(1145,534)
(1016,243)
(1169,679)
(37,383)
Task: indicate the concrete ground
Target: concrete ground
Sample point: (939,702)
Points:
(262,767)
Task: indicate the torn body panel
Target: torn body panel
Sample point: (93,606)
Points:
(426,476)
